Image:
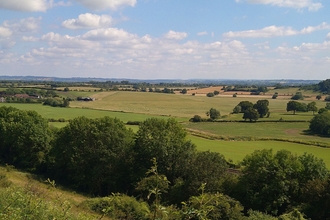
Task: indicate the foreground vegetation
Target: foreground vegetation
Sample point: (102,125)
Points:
(157,173)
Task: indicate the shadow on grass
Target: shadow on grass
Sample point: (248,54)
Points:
(310,133)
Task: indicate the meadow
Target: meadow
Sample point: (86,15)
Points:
(237,150)
(184,106)
(236,137)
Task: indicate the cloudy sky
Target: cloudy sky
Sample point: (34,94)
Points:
(166,39)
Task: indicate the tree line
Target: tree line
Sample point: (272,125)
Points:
(159,167)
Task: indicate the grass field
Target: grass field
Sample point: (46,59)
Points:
(138,106)
(263,130)
(70,113)
(237,150)
(183,105)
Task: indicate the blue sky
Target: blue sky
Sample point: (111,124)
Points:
(166,39)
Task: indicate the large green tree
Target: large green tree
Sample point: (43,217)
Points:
(245,105)
(24,138)
(272,183)
(94,155)
(213,113)
(166,141)
(262,107)
(251,114)
(293,106)
(320,124)
(312,107)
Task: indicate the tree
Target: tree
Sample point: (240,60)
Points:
(184,91)
(237,109)
(251,114)
(272,183)
(166,141)
(213,113)
(210,94)
(94,155)
(318,97)
(262,107)
(297,96)
(196,118)
(216,92)
(245,105)
(327,99)
(321,110)
(327,106)
(324,86)
(24,138)
(292,106)
(275,95)
(312,107)
(320,124)
(66,89)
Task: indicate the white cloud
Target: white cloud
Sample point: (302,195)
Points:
(29,39)
(5,32)
(24,25)
(26,5)
(175,35)
(274,31)
(310,29)
(328,35)
(297,4)
(107,34)
(88,21)
(106,4)
(202,33)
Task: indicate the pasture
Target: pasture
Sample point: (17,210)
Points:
(237,150)
(49,112)
(286,131)
(138,106)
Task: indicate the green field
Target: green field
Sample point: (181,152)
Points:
(237,150)
(70,113)
(185,105)
(138,106)
(267,130)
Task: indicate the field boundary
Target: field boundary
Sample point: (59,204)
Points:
(252,138)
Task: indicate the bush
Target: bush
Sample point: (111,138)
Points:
(196,118)
(133,123)
(327,99)
(118,206)
(297,96)
(210,94)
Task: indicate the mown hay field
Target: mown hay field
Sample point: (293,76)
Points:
(179,105)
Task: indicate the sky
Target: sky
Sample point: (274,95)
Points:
(166,39)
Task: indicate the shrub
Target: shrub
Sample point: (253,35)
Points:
(118,206)
(210,94)
(196,118)
(297,96)
(133,123)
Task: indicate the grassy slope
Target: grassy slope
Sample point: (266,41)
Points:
(55,196)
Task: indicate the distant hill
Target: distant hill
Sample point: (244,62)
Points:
(287,82)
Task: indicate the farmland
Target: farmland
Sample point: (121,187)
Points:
(233,139)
